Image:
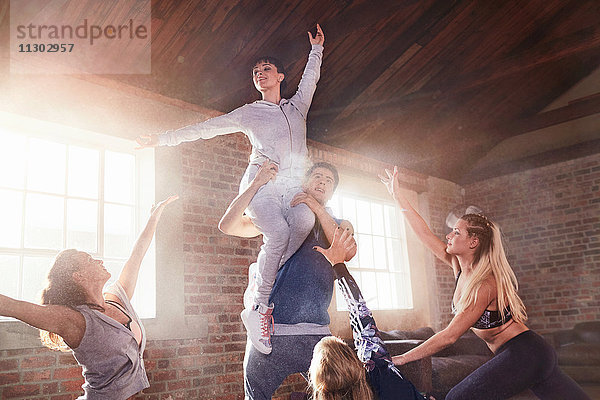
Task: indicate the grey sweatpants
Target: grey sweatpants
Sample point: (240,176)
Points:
(284,229)
(264,373)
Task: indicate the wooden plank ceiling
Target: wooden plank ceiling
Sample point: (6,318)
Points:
(431,85)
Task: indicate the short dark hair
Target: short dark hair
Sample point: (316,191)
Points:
(276,62)
(326,165)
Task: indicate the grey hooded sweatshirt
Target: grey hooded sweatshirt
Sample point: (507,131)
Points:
(276,131)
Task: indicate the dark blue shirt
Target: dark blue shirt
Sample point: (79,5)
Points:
(304,284)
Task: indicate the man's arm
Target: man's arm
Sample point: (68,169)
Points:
(327,222)
(234,222)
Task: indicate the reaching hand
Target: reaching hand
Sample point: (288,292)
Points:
(161,205)
(343,243)
(391,181)
(307,199)
(266,172)
(146,141)
(319,38)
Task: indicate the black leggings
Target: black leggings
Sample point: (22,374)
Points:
(524,362)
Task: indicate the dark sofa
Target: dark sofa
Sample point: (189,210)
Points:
(438,374)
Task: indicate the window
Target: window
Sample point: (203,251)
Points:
(66,188)
(380,266)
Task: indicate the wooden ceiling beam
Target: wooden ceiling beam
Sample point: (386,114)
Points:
(584,41)
(400,43)
(587,106)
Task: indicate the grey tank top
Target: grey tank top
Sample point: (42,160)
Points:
(111,359)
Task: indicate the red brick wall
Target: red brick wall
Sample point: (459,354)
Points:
(442,196)
(550,217)
(561,238)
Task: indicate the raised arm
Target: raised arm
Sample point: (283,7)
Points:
(64,321)
(368,343)
(129,274)
(312,72)
(234,222)
(416,222)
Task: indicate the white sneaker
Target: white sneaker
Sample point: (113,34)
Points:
(258,322)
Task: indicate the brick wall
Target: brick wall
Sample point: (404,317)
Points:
(442,196)
(561,238)
(550,217)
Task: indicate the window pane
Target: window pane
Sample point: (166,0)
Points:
(363,215)
(119,177)
(35,270)
(44,221)
(349,210)
(9,268)
(118,230)
(82,225)
(379,252)
(11,215)
(83,172)
(393,250)
(369,289)
(384,293)
(377,219)
(12,160)
(365,251)
(46,166)
(391,221)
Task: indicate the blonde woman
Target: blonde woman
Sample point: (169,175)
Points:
(336,371)
(486,301)
(98,325)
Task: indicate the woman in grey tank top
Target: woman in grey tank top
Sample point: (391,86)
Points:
(97,324)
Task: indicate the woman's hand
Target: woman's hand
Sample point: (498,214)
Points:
(399,360)
(146,141)
(319,38)
(162,204)
(266,172)
(391,182)
(343,244)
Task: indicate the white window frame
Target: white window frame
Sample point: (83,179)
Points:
(401,291)
(143,196)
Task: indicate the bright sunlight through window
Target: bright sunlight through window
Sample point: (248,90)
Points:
(61,192)
(380,266)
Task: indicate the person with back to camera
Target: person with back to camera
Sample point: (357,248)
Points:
(276,128)
(336,371)
(486,301)
(101,328)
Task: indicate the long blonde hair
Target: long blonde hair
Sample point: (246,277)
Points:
(490,259)
(336,373)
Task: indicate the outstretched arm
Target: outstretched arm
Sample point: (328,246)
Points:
(129,274)
(367,341)
(416,222)
(234,222)
(457,327)
(64,321)
(220,125)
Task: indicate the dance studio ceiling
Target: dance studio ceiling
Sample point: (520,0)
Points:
(461,90)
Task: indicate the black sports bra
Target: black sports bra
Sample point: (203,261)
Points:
(114,303)
(489,319)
